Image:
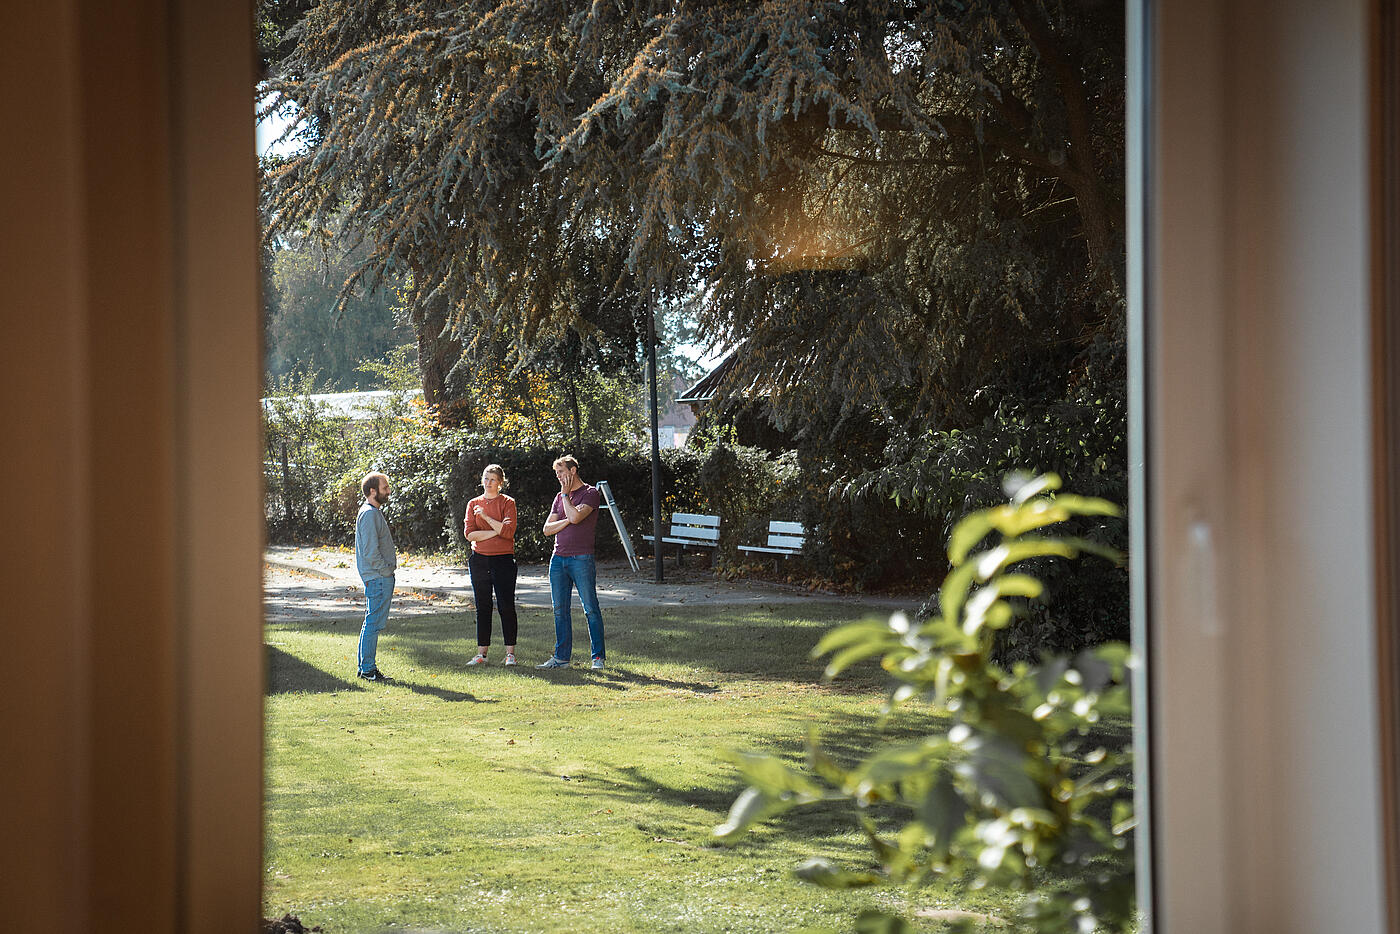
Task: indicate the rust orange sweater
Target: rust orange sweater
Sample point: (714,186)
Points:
(502,509)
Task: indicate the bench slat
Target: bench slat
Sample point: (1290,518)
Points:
(691,529)
(687,518)
(784,538)
(709,535)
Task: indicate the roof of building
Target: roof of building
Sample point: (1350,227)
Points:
(356,406)
(708,385)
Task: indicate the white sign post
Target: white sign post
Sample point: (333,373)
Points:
(610,505)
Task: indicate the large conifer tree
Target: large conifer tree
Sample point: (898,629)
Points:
(910,211)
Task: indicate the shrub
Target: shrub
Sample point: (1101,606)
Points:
(310,452)
(305,448)
(436,475)
(941,475)
(1018,792)
(435,472)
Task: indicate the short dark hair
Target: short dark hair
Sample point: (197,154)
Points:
(370,484)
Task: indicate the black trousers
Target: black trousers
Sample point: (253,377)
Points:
(493,573)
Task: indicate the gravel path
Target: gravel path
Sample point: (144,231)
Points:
(318,582)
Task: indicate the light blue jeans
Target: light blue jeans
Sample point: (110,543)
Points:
(378,593)
(566,573)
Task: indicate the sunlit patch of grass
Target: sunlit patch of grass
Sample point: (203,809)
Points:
(503,799)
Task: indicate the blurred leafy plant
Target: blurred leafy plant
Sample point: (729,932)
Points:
(1020,792)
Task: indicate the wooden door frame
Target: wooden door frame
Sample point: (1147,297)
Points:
(1385,358)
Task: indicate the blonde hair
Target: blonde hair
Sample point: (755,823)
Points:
(567,461)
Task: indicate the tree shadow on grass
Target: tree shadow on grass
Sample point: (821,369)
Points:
(762,642)
(826,825)
(442,694)
(630,783)
(616,678)
(287,674)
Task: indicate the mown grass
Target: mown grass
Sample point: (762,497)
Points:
(475,800)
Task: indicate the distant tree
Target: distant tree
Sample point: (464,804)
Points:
(310,330)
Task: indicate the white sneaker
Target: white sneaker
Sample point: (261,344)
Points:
(597,662)
(479,660)
(510,659)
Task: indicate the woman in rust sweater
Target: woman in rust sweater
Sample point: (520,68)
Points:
(490,527)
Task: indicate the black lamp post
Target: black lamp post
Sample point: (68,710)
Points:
(655,437)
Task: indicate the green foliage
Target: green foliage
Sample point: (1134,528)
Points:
(311,453)
(396,371)
(745,487)
(940,475)
(305,449)
(1022,792)
(275,18)
(435,471)
(310,328)
(889,205)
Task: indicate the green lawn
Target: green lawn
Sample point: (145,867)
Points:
(497,799)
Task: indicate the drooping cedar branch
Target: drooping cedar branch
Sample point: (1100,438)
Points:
(742,150)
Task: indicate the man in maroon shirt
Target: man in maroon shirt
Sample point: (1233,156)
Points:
(573,521)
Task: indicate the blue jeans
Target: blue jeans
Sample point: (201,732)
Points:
(378,593)
(566,573)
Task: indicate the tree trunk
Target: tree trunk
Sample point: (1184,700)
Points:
(577,415)
(438,353)
(1103,223)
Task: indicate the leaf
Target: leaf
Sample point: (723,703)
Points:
(990,563)
(954,590)
(986,607)
(1085,546)
(822,872)
(849,656)
(774,778)
(1014,723)
(1095,670)
(1020,487)
(1124,818)
(895,763)
(1049,674)
(850,634)
(942,811)
(888,854)
(968,532)
(998,767)
(1087,505)
(750,807)
(824,765)
(874,921)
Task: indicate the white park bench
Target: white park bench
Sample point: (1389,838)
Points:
(784,538)
(690,530)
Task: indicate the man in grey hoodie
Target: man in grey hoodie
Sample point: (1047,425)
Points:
(376,560)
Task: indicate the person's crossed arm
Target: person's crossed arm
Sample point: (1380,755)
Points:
(553,524)
(572,514)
